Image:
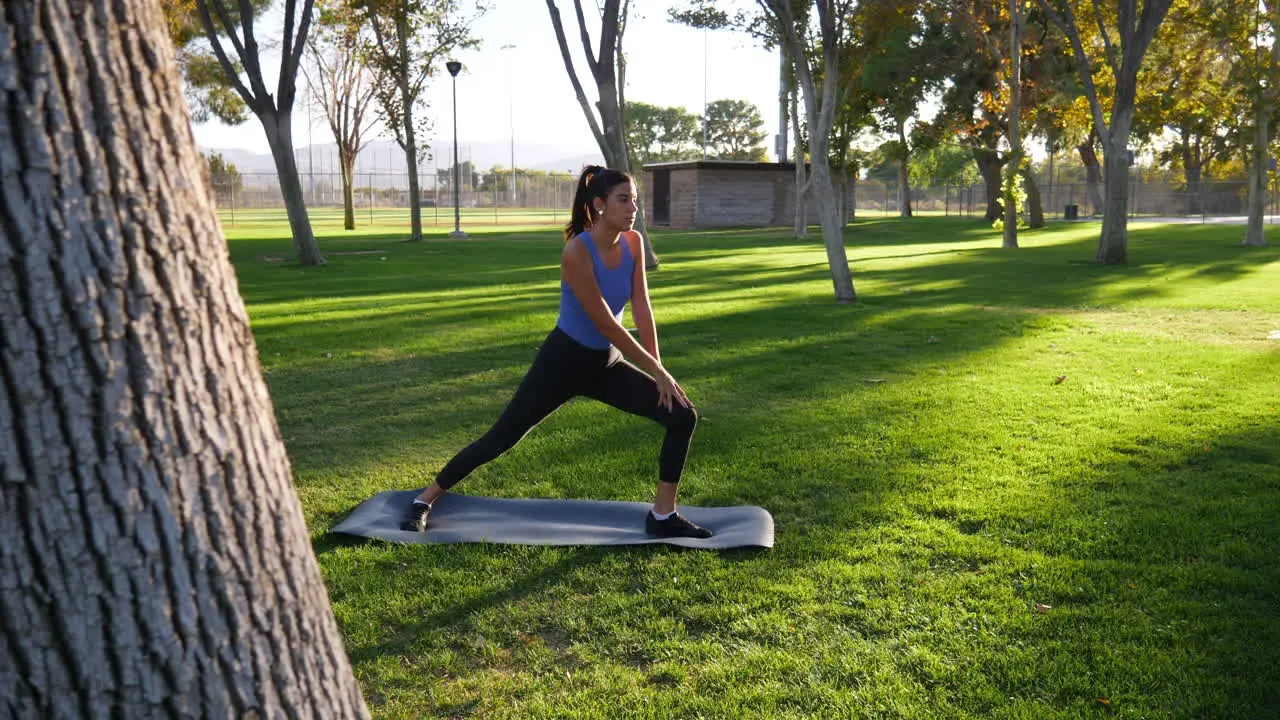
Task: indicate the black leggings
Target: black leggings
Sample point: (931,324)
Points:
(563,370)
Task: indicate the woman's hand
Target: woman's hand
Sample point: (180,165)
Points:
(669,390)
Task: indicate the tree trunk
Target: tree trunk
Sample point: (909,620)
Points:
(844,196)
(348,160)
(154,556)
(1035,207)
(411,164)
(280,140)
(1093,178)
(1014,164)
(1113,246)
(832,229)
(853,197)
(801,228)
(1191,173)
(904,174)
(1258,178)
(990,166)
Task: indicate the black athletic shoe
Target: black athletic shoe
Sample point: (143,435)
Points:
(415,518)
(675,526)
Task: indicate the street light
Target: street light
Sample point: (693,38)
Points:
(454,68)
(511,118)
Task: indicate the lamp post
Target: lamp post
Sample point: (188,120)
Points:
(454,68)
(511,118)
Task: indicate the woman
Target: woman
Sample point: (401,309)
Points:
(601,268)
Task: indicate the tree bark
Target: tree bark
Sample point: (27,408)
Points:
(832,227)
(904,173)
(1254,233)
(801,216)
(1191,173)
(1258,178)
(990,166)
(279,131)
(411,153)
(1035,206)
(348,161)
(1113,245)
(1010,240)
(153,554)
(1093,175)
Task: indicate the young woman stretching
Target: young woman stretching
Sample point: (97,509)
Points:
(601,268)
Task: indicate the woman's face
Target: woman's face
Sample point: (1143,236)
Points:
(619,209)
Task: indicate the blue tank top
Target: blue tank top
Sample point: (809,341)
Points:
(615,286)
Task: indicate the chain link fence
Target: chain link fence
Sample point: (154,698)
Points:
(531,198)
(545,198)
(1148,199)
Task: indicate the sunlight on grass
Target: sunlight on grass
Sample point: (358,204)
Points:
(1006,484)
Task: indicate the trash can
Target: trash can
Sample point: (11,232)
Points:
(1071,212)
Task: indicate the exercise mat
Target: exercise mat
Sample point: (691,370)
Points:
(466,518)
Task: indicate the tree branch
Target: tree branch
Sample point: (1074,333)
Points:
(573,76)
(227,66)
(1106,38)
(592,65)
(1069,28)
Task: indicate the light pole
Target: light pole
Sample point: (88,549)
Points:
(454,68)
(511,118)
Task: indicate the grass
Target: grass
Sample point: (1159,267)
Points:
(959,534)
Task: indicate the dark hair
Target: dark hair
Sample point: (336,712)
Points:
(595,182)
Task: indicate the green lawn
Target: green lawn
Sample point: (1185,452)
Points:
(959,535)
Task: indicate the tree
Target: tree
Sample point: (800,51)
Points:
(1266,77)
(224,177)
(1013,167)
(820,57)
(274,111)
(410,37)
(467,174)
(1193,98)
(608,67)
(209,92)
(339,79)
(1133,28)
(659,134)
(155,558)
(903,42)
(735,131)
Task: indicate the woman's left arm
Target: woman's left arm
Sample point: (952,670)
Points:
(641,309)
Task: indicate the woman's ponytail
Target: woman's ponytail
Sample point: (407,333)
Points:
(580,212)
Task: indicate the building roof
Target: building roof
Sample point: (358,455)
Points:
(718,165)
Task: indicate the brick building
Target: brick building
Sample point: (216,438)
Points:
(722,193)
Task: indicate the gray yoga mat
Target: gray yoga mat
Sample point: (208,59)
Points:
(466,518)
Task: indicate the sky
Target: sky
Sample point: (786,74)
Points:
(523,92)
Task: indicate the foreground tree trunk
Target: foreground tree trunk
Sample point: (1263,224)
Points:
(154,557)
